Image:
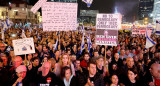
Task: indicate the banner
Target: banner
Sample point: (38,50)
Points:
(142,31)
(108,21)
(58,16)
(107,26)
(23,46)
(106,37)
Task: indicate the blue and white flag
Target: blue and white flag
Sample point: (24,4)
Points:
(149,41)
(56,45)
(89,43)
(23,33)
(9,49)
(88,2)
(157,27)
(82,44)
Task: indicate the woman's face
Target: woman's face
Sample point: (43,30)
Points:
(131,75)
(65,59)
(114,79)
(29,56)
(67,73)
(45,59)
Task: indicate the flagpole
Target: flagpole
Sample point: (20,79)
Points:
(59,42)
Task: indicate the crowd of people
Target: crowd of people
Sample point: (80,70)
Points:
(127,64)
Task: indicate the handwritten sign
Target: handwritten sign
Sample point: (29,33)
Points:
(106,37)
(108,21)
(58,16)
(23,46)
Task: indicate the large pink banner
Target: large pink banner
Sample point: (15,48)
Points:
(58,16)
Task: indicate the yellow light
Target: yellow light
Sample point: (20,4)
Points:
(145,18)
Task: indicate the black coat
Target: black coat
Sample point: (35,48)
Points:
(55,81)
(97,79)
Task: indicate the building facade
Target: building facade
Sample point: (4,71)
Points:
(145,9)
(156,11)
(20,13)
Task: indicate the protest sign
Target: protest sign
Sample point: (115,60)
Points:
(142,31)
(106,37)
(23,46)
(59,16)
(108,21)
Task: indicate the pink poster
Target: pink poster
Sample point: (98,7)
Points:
(58,16)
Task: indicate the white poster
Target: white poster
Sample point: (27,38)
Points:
(58,16)
(23,46)
(108,21)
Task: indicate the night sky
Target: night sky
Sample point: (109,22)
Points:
(128,8)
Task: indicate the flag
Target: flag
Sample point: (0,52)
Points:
(88,2)
(149,41)
(8,22)
(56,45)
(89,43)
(0,23)
(157,27)
(82,44)
(2,34)
(9,49)
(23,33)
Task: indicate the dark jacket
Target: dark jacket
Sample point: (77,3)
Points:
(97,79)
(55,81)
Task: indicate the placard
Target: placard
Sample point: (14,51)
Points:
(106,37)
(108,21)
(142,31)
(57,16)
(23,46)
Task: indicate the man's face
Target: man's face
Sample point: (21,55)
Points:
(22,74)
(109,53)
(36,62)
(2,47)
(57,53)
(17,62)
(130,62)
(4,58)
(100,62)
(122,52)
(92,69)
(153,70)
(77,63)
(46,68)
(86,57)
(96,54)
(116,56)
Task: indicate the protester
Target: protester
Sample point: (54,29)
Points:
(91,78)
(63,49)
(68,78)
(114,80)
(46,77)
(22,78)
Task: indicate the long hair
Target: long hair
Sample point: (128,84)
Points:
(64,70)
(69,59)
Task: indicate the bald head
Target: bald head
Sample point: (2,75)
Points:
(17,61)
(130,62)
(45,68)
(155,70)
